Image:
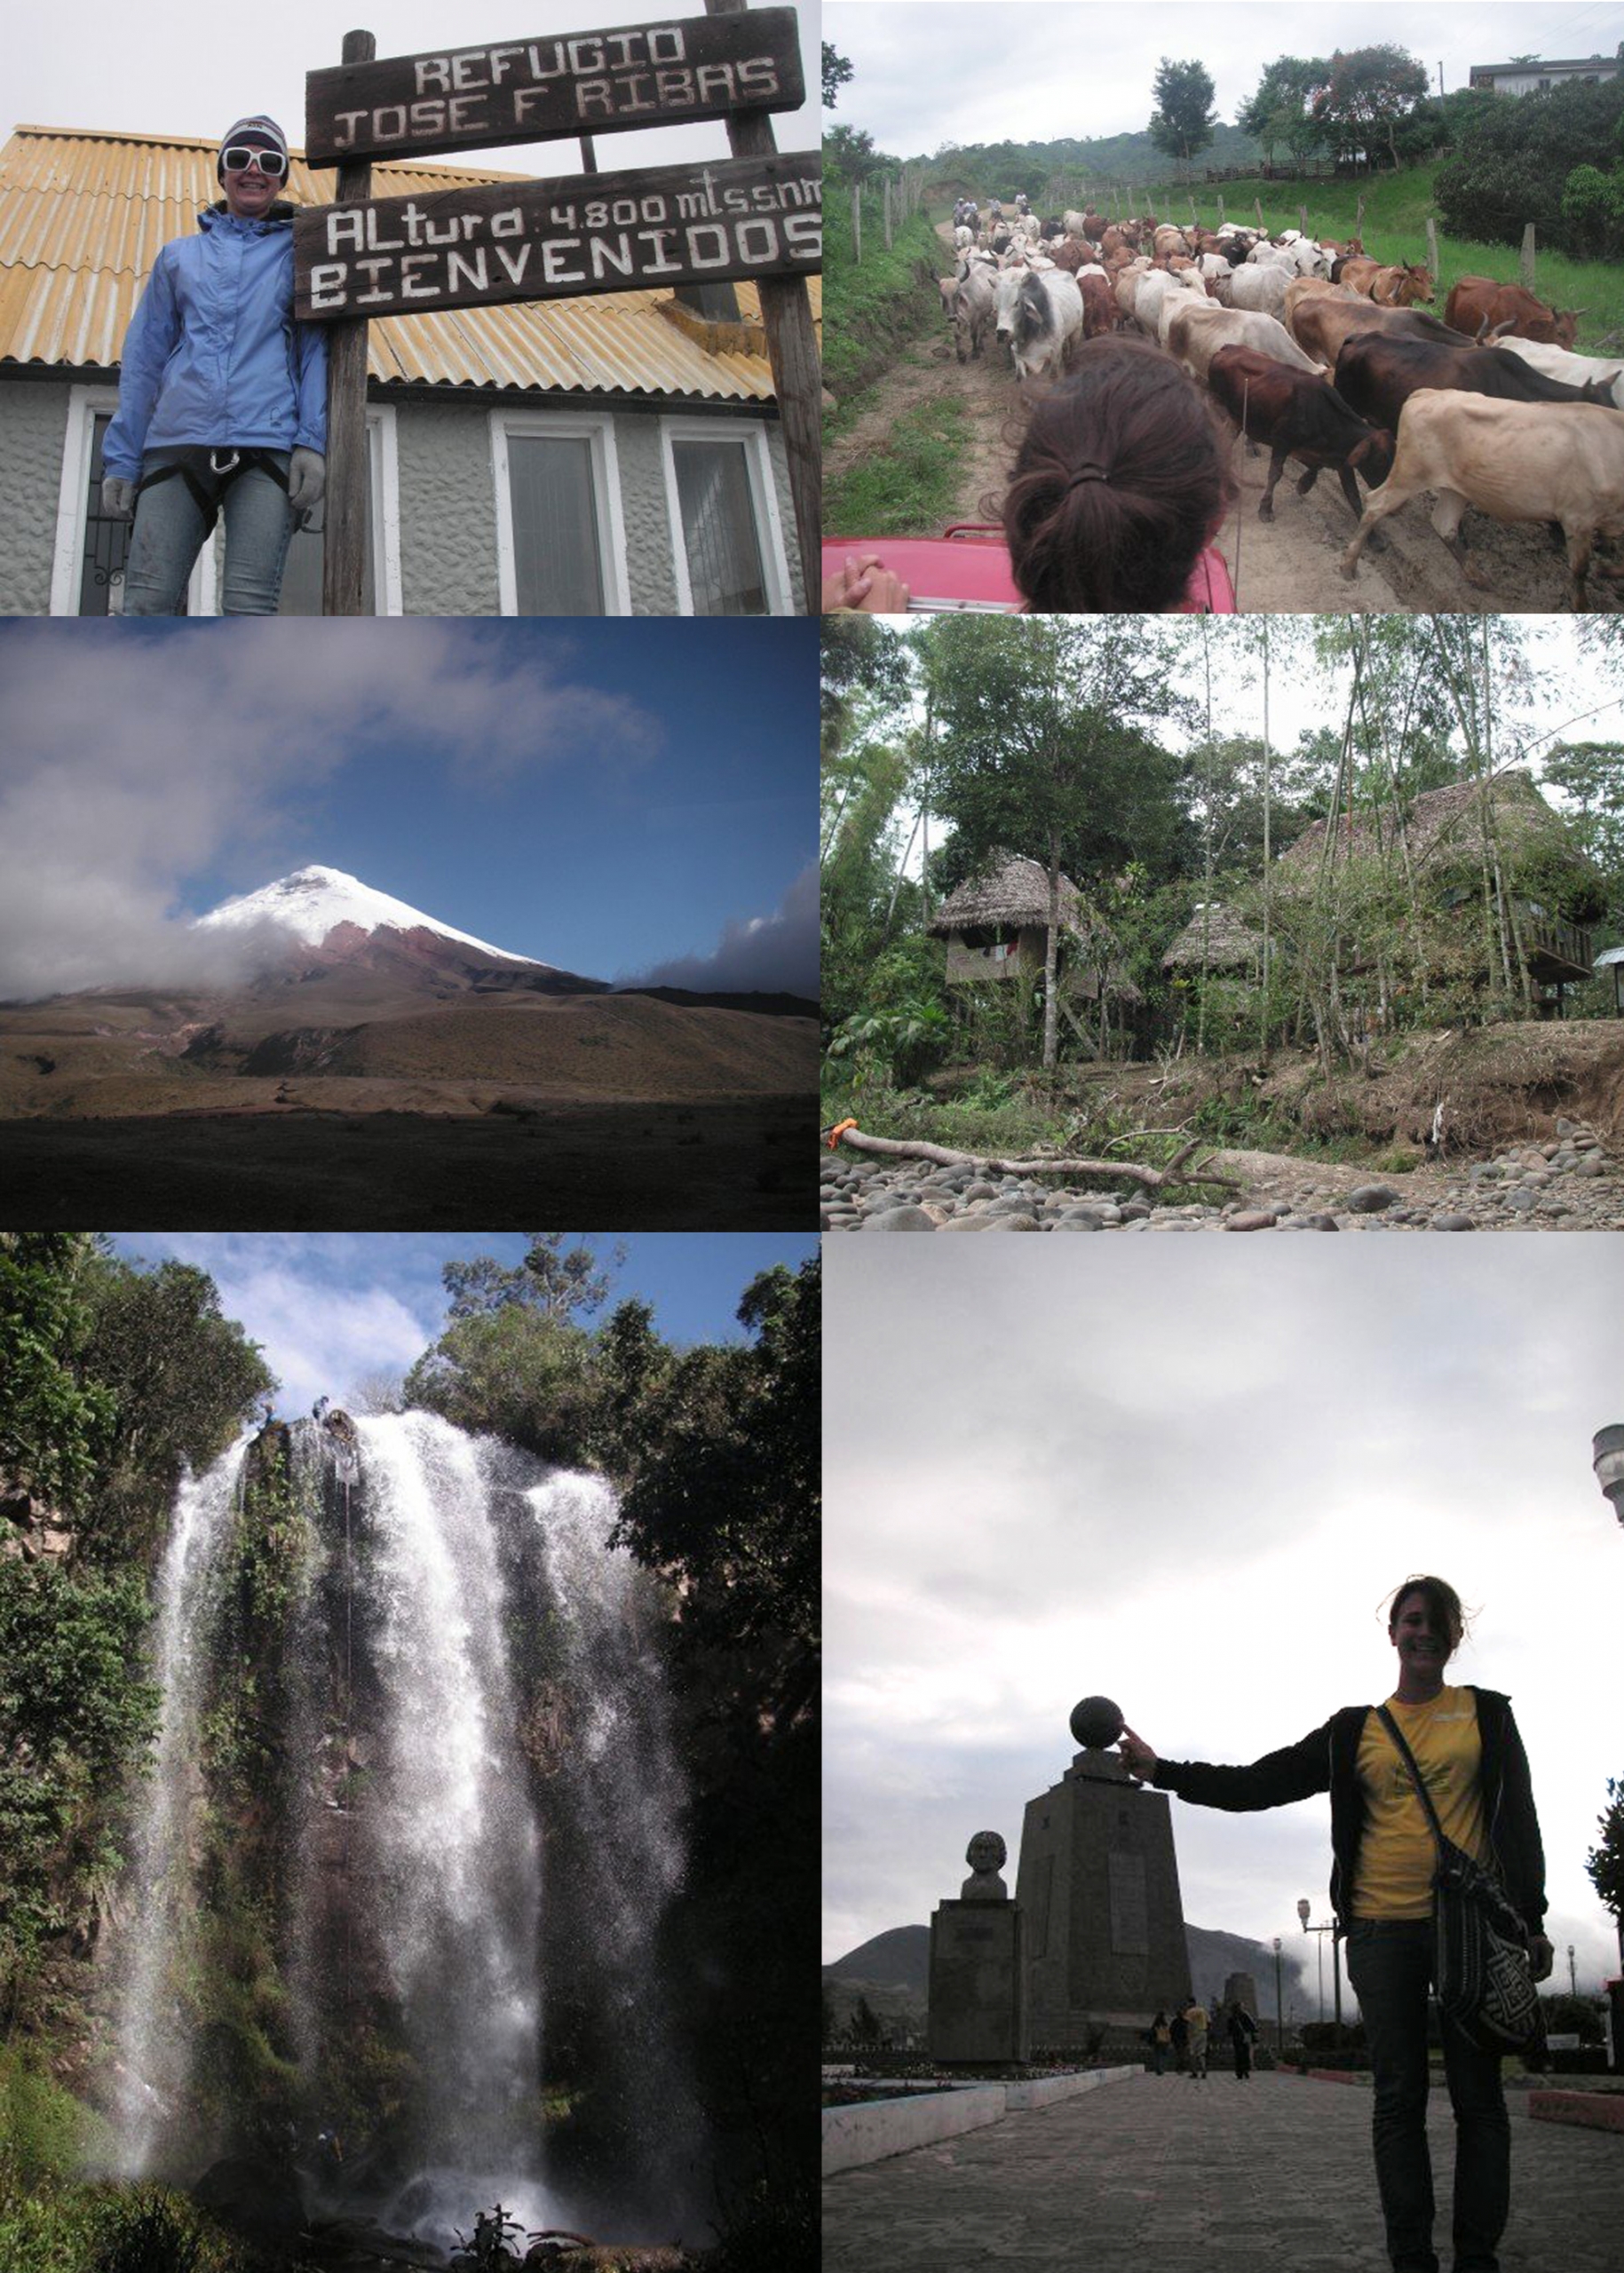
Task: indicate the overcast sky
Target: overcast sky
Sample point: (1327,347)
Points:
(1189,1476)
(332,1310)
(934,71)
(171,68)
(624,799)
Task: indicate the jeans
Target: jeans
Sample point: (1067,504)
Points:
(170,532)
(1389,1963)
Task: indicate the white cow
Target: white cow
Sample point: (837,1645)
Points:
(1562,363)
(1261,289)
(1038,315)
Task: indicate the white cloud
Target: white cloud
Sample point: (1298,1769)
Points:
(766,955)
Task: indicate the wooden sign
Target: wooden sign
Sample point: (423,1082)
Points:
(531,90)
(724,218)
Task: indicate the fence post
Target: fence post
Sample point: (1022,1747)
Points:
(885,210)
(1220,209)
(1192,212)
(1524,266)
(1432,249)
(1303,218)
(1258,208)
(857,223)
(1358,219)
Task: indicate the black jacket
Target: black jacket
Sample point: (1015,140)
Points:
(1328,1761)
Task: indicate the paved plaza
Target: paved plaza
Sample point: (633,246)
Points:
(1160,2175)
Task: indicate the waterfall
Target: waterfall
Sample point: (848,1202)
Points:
(152,2067)
(399,1667)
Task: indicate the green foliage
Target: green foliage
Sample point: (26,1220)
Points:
(902,1044)
(181,1376)
(44,2132)
(1566,2015)
(53,1425)
(1280,109)
(1182,122)
(913,487)
(873,306)
(1589,777)
(836,75)
(1604,1863)
(58,2228)
(1593,207)
(1514,165)
(560,1282)
(73,1713)
(513,1371)
(1370,90)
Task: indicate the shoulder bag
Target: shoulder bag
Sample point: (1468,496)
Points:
(1480,1963)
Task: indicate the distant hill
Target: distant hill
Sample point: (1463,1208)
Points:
(775,1006)
(892,1971)
(999,168)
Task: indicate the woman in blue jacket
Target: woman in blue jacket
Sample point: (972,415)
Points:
(222,402)
(1466,1745)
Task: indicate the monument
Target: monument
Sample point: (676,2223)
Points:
(1097,1888)
(977,2017)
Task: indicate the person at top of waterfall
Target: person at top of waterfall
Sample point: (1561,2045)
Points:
(1120,486)
(318,1411)
(222,398)
(1466,1745)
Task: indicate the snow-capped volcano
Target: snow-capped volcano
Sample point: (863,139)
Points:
(313,903)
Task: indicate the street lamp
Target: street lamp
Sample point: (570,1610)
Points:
(1279,2025)
(1573,1975)
(1608,1461)
(1335,1933)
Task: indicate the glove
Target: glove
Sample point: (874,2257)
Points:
(306,480)
(118,498)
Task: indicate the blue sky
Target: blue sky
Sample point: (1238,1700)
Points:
(330,1311)
(624,799)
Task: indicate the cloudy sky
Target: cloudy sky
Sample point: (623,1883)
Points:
(621,799)
(1189,1477)
(333,1311)
(914,89)
(170,69)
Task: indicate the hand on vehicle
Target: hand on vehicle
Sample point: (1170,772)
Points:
(863,584)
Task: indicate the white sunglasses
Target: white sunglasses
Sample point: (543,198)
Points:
(239,158)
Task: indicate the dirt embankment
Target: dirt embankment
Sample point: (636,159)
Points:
(1287,566)
(1483,1088)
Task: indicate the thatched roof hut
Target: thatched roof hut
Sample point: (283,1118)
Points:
(1012,896)
(1443,825)
(996,926)
(1230,945)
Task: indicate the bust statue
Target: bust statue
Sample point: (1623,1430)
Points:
(987,1854)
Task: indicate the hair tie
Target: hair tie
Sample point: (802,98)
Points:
(1086,473)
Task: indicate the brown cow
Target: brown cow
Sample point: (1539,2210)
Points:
(1515,461)
(1100,313)
(1321,322)
(1298,417)
(1392,286)
(1477,305)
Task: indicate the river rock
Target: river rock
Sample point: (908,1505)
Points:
(1371,1198)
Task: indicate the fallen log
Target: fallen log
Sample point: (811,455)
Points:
(847,1132)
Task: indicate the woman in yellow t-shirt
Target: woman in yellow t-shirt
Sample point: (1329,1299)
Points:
(1466,1744)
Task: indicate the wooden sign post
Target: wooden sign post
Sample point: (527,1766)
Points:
(757,217)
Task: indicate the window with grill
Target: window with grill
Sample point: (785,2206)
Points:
(725,532)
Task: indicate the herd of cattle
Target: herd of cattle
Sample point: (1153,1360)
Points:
(1324,355)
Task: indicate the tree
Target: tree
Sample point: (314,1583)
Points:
(1182,120)
(54,1426)
(1369,91)
(1279,110)
(1513,164)
(848,152)
(1043,750)
(836,75)
(560,1282)
(1606,1861)
(1590,776)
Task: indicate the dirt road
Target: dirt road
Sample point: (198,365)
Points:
(1288,565)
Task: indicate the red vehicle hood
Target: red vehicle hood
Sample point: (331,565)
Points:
(968,568)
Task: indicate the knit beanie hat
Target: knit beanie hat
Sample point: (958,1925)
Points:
(251,130)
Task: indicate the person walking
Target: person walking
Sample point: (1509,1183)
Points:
(1466,1745)
(1161,2040)
(1242,2028)
(222,397)
(1195,2020)
(1178,2030)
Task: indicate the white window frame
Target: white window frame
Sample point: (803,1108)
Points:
(752,433)
(596,428)
(386,535)
(85,403)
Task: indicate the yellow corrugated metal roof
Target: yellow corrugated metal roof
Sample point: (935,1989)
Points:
(83,215)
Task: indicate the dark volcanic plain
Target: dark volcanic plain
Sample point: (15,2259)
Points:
(350,1101)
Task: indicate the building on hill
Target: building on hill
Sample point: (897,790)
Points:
(1538,76)
(617,454)
(1452,835)
(1215,939)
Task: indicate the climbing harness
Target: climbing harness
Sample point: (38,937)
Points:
(197,466)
